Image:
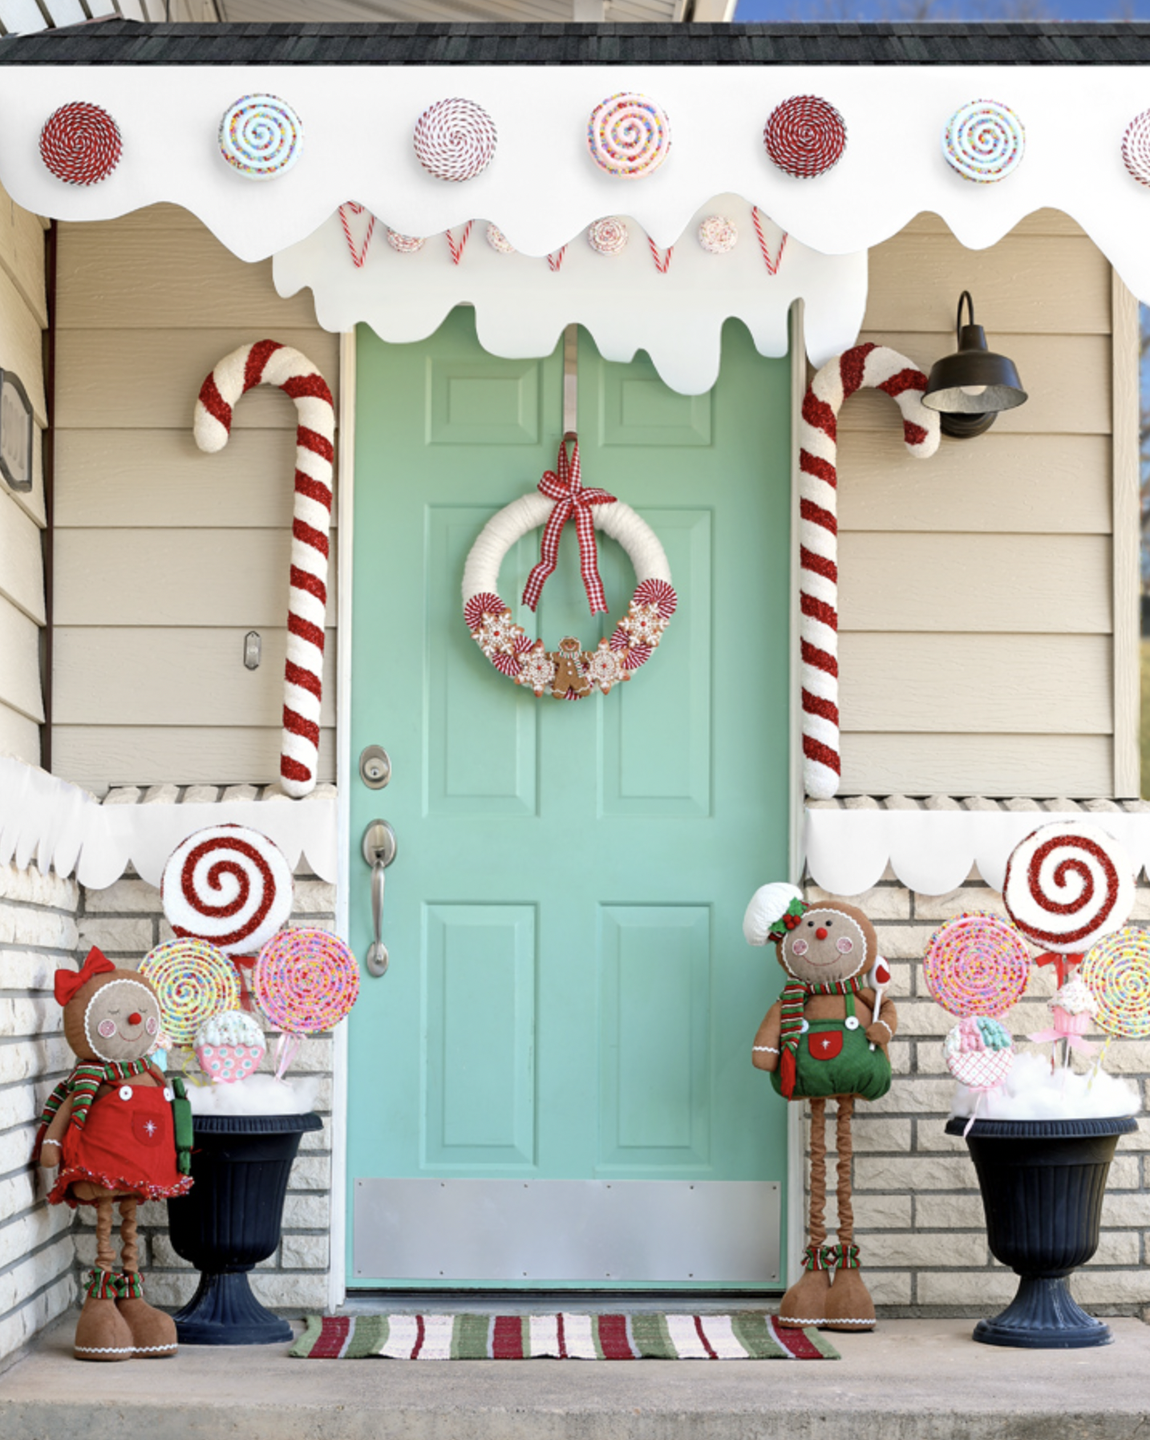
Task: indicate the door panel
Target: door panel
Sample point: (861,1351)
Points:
(570,1000)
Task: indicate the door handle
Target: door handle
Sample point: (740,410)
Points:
(379,847)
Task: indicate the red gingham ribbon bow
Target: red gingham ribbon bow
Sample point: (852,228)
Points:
(570,499)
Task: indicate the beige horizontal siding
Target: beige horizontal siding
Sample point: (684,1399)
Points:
(978,588)
(23,316)
(165,556)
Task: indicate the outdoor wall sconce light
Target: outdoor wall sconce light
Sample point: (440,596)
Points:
(970,387)
(15,433)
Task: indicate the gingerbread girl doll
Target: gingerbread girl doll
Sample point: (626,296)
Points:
(109,1129)
(826,1036)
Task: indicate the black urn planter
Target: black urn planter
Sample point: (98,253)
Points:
(1042,1183)
(230,1220)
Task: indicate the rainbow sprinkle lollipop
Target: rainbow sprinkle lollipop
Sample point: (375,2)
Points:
(976,965)
(194,981)
(304,980)
(1117,974)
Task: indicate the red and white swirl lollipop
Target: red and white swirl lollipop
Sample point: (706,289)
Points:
(629,136)
(229,885)
(455,139)
(1067,885)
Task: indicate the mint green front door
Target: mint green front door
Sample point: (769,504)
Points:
(569,997)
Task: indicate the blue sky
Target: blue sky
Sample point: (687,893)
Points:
(830,10)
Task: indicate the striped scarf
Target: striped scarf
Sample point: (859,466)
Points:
(793,999)
(83,1083)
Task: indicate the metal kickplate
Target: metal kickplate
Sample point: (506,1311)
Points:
(712,1231)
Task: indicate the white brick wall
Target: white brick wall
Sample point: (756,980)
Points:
(38,935)
(918,1212)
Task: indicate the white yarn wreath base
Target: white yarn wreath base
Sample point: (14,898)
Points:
(570,672)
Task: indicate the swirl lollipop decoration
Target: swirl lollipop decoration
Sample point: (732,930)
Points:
(261,136)
(629,136)
(1117,974)
(304,980)
(717,235)
(80,143)
(984,141)
(1136,148)
(194,981)
(608,237)
(976,964)
(227,884)
(1067,886)
(455,139)
(805,136)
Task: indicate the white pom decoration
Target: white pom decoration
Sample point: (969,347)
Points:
(768,904)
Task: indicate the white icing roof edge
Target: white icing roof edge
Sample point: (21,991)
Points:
(933,850)
(63,828)
(542,189)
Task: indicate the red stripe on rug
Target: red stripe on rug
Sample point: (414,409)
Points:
(562,1334)
(419,1336)
(613,1338)
(507,1338)
(332,1337)
(707,1346)
(795,1341)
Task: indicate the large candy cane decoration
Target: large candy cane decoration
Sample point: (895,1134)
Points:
(269,363)
(864,366)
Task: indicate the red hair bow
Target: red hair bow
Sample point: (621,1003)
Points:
(68,982)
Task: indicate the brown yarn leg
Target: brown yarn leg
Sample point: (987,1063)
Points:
(153,1333)
(805,1301)
(849,1306)
(105,1254)
(845,1146)
(129,1249)
(101,1332)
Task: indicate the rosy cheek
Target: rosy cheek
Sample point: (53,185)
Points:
(106,1028)
(843,945)
(151,1024)
(799,947)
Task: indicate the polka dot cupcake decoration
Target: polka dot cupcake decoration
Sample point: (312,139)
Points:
(717,235)
(629,136)
(984,141)
(405,244)
(229,1046)
(1136,148)
(805,136)
(455,139)
(608,237)
(80,144)
(261,137)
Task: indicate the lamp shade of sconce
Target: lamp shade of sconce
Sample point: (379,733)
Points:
(970,387)
(15,432)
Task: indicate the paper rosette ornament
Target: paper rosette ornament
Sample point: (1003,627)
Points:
(194,981)
(976,964)
(229,1046)
(1067,885)
(1117,974)
(304,981)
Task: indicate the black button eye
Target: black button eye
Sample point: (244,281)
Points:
(810,924)
(828,923)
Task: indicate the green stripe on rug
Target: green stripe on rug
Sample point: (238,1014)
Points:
(369,1337)
(652,1337)
(754,1335)
(312,1328)
(469,1337)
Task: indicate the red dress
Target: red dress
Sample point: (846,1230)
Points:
(127,1144)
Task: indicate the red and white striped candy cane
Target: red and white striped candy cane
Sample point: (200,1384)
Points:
(269,363)
(864,366)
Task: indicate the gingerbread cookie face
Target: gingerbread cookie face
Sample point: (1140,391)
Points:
(829,944)
(122,1020)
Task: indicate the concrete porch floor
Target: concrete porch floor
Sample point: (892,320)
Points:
(909,1380)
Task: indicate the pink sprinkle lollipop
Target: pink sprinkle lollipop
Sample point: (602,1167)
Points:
(304,981)
(976,964)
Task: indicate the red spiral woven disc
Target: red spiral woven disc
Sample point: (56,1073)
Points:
(80,143)
(805,136)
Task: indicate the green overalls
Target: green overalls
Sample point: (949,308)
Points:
(835,1058)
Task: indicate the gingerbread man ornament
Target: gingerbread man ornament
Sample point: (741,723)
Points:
(825,1037)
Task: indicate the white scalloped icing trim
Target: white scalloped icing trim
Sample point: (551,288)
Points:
(104,1350)
(63,828)
(790,1322)
(933,851)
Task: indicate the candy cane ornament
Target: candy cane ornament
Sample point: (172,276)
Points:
(863,367)
(269,363)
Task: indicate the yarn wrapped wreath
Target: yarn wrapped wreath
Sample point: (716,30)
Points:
(984,141)
(261,136)
(80,143)
(856,369)
(1136,148)
(805,136)
(629,136)
(455,139)
(570,672)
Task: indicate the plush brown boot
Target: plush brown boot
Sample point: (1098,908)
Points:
(805,1303)
(102,1333)
(848,1305)
(153,1332)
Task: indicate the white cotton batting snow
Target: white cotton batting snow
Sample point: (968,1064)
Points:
(1031,1092)
(255,1095)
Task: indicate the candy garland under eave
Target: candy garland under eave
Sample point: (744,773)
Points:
(569,672)
(859,368)
(269,363)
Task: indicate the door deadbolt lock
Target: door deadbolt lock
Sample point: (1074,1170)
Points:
(375,767)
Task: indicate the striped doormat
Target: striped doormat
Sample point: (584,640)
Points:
(750,1335)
